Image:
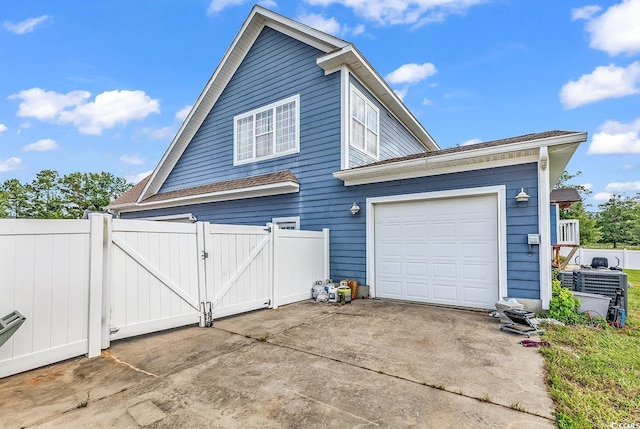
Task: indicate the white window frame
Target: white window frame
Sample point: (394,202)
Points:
(367,103)
(252,113)
(287,220)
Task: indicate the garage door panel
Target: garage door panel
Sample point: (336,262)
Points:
(443,251)
(418,250)
(416,290)
(475,272)
(391,289)
(419,269)
(443,230)
(445,294)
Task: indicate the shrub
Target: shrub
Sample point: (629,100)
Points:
(564,306)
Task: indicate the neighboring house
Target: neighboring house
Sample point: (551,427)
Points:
(295,126)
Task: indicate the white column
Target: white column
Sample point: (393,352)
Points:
(544,225)
(327,254)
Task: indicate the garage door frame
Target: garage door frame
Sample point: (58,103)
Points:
(499,191)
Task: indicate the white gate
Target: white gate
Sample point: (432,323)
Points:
(238,268)
(155,277)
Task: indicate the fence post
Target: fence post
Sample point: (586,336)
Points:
(327,254)
(625,258)
(96,278)
(201,242)
(107,285)
(275,262)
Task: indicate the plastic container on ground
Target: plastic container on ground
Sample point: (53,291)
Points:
(596,305)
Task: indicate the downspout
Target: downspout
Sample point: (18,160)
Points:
(544,226)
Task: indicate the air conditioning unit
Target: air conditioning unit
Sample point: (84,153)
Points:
(602,282)
(566,279)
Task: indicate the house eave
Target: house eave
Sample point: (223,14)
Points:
(360,67)
(228,195)
(472,159)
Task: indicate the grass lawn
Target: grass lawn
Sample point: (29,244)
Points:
(594,372)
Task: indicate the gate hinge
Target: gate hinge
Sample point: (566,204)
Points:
(207,313)
(113,330)
(268,303)
(205,255)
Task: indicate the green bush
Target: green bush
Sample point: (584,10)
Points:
(564,306)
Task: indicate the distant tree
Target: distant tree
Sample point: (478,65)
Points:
(15,199)
(45,196)
(618,220)
(90,191)
(589,232)
(50,196)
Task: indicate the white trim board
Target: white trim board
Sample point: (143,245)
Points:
(499,191)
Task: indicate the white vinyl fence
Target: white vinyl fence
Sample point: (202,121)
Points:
(82,283)
(623,258)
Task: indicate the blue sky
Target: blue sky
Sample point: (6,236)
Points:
(104,85)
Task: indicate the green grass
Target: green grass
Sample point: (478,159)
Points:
(594,372)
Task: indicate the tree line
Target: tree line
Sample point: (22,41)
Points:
(616,223)
(51,196)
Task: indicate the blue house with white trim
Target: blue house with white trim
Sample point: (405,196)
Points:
(295,126)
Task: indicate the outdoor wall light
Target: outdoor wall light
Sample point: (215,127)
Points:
(522,196)
(355,209)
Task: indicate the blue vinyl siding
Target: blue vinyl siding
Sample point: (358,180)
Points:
(395,140)
(277,66)
(324,202)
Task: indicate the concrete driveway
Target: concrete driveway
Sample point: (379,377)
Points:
(366,364)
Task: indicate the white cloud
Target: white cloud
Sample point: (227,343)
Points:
(627,167)
(616,31)
(157,133)
(329,24)
(616,138)
(135,178)
(9,164)
(427,102)
(319,22)
(412,12)
(604,82)
(26,26)
(588,186)
(471,141)
(41,145)
(585,12)
(218,5)
(132,159)
(3,128)
(623,186)
(107,110)
(411,73)
(401,93)
(181,114)
(602,196)
(47,105)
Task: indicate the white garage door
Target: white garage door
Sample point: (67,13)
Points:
(442,251)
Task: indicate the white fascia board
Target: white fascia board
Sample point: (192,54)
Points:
(233,194)
(361,68)
(473,159)
(258,18)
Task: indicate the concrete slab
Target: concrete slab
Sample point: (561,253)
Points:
(371,363)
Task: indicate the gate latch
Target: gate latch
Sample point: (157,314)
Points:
(207,313)
(205,255)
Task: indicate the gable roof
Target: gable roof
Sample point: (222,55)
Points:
(280,182)
(338,52)
(514,150)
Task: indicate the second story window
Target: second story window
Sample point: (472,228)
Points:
(267,132)
(364,124)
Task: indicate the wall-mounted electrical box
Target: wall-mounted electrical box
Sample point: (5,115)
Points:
(533,239)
